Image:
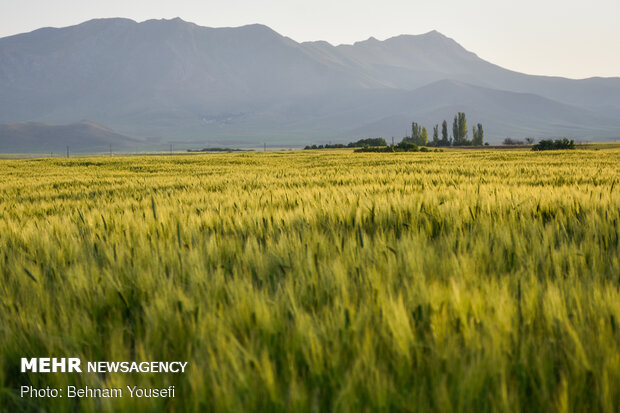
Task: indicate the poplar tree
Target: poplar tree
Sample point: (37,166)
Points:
(462,127)
(415,133)
(423,137)
(480,135)
(445,140)
(455,132)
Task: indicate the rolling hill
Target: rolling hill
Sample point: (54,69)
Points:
(36,137)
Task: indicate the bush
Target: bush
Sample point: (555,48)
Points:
(510,141)
(359,144)
(403,146)
(549,145)
(368,142)
(406,146)
(375,149)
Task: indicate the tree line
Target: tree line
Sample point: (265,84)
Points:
(459,137)
(419,137)
(357,144)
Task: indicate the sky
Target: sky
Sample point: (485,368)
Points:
(569,38)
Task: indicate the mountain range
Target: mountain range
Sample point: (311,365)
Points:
(174,81)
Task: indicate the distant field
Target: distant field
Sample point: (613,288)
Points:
(314,281)
(599,145)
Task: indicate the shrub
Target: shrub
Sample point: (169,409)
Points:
(406,146)
(368,142)
(549,145)
(510,141)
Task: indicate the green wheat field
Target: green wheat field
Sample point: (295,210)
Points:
(317,281)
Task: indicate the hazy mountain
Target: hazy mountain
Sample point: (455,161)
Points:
(175,80)
(84,136)
(411,61)
(519,114)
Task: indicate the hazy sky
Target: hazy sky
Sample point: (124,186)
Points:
(550,37)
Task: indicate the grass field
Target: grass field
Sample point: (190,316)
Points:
(313,281)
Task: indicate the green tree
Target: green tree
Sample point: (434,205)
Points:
(459,130)
(456,140)
(415,132)
(478,135)
(436,135)
(462,124)
(445,140)
(423,137)
(419,135)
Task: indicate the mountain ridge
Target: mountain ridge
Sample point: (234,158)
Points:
(176,80)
